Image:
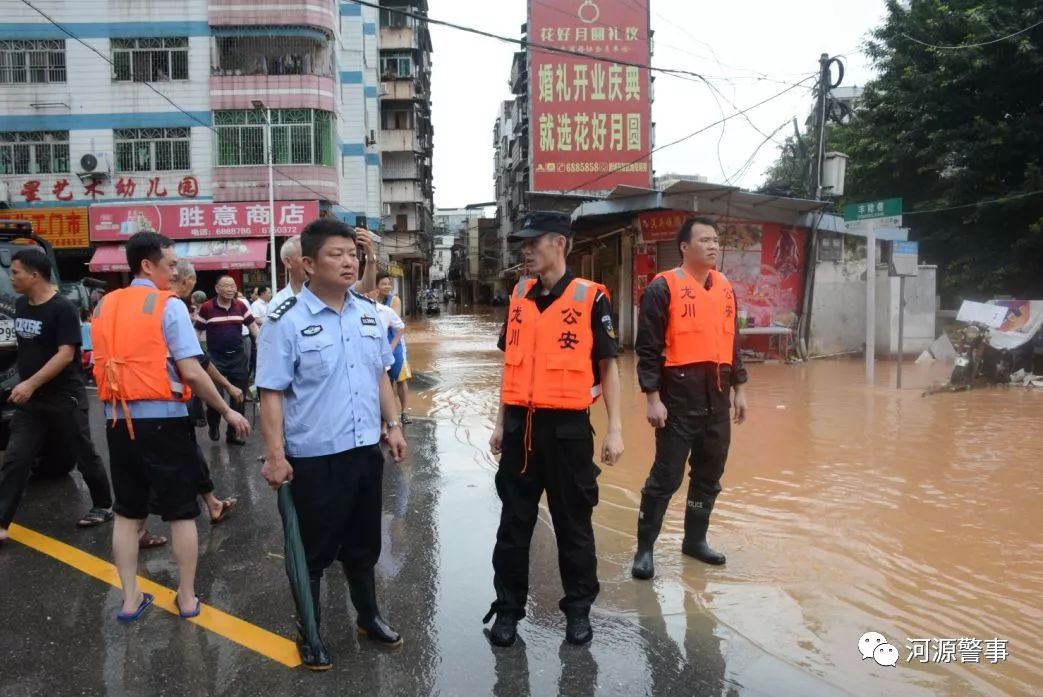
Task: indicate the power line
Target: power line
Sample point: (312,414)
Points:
(983,43)
(525,43)
(170,101)
(757,75)
(741,172)
(986,202)
(689,136)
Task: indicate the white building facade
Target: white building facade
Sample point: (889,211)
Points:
(157,103)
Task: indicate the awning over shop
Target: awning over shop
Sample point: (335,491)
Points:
(209,255)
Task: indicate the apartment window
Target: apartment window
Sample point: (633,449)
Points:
(150,60)
(299,137)
(396,65)
(396,120)
(391,18)
(34,152)
(152,149)
(32,61)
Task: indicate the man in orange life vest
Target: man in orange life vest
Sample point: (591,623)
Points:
(559,355)
(146,365)
(688,364)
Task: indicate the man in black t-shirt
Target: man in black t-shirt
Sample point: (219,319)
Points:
(51,398)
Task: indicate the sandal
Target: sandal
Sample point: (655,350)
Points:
(191,613)
(148,540)
(128,617)
(227,506)
(95,517)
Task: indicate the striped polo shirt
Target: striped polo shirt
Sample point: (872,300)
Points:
(224,327)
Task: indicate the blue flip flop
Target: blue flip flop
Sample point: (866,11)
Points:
(146,603)
(194,613)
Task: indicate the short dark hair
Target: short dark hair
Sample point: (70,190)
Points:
(382,275)
(34,259)
(146,245)
(684,233)
(318,231)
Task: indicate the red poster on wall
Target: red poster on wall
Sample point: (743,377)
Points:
(645,265)
(590,125)
(765,264)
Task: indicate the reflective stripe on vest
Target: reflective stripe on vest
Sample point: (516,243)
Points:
(548,360)
(701,323)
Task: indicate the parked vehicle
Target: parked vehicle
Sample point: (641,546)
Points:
(970,352)
(978,360)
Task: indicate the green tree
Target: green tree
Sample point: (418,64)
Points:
(947,128)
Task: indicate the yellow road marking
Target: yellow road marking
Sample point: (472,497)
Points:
(250,636)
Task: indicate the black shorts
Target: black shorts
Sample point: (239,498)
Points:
(158,471)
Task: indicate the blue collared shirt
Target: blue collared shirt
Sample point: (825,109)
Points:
(329,367)
(182,343)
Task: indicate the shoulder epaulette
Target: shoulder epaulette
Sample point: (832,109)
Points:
(278,312)
(371,301)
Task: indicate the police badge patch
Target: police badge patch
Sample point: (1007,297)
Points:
(311,331)
(607,322)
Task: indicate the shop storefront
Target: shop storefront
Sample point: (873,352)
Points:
(218,238)
(626,240)
(66,228)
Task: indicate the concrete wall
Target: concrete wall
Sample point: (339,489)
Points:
(920,312)
(838,316)
(838,313)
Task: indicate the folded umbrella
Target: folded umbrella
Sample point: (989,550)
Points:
(297,571)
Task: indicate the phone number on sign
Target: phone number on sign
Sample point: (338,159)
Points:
(596,167)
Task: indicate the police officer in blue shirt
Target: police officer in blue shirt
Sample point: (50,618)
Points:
(321,370)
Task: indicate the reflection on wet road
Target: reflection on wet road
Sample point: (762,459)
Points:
(845,510)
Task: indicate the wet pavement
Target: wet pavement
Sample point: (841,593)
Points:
(845,510)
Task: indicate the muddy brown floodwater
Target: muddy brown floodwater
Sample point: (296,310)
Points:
(845,509)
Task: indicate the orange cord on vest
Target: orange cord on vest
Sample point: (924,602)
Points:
(112,382)
(528,438)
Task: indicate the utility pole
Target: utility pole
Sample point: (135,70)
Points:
(824,80)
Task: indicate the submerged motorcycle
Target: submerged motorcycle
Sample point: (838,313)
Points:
(977,360)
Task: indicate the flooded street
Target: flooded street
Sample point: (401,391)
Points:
(845,510)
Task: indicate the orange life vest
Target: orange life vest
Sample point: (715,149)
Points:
(701,323)
(548,358)
(130,353)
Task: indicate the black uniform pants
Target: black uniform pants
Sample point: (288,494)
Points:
(561,462)
(702,441)
(338,500)
(61,416)
(236,367)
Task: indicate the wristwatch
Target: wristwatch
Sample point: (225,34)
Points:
(394,424)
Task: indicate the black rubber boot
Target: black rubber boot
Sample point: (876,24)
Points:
(313,658)
(578,630)
(696,523)
(504,631)
(363,589)
(649,522)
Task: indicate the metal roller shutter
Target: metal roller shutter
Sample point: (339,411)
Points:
(668,256)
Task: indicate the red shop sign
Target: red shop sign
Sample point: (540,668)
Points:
(661,226)
(193,221)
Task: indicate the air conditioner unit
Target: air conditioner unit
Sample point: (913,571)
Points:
(384,86)
(5,193)
(95,165)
